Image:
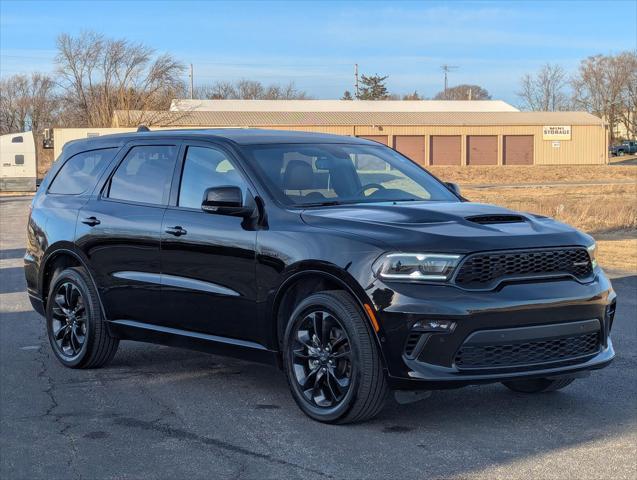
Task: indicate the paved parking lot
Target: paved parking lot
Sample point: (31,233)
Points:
(158,412)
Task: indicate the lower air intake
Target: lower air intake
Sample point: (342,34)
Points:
(527,353)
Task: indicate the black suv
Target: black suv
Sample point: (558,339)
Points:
(336,258)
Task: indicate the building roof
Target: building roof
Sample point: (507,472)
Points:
(241,136)
(126,118)
(181,105)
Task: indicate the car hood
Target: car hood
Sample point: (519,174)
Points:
(460,227)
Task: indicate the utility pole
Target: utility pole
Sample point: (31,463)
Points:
(447,68)
(192,90)
(356,80)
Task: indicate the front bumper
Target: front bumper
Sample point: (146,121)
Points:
(557,307)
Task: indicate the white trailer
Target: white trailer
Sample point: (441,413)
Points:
(18,169)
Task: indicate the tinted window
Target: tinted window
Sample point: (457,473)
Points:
(17,140)
(306,174)
(205,168)
(144,175)
(80,172)
(19,159)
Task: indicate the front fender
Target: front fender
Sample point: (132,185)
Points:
(333,274)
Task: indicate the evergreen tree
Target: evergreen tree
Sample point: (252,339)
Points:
(347,96)
(373,88)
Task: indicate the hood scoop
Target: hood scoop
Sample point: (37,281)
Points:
(495,219)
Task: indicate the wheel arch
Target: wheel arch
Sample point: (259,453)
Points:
(59,258)
(312,278)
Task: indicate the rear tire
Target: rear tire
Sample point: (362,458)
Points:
(538,385)
(339,380)
(76,327)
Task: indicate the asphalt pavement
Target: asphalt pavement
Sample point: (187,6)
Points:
(158,412)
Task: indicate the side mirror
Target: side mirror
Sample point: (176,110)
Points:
(454,188)
(226,200)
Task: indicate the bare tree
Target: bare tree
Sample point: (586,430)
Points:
(27,103)
(628,113)
(464,92)
(250,90)
(546,90)
(605,86)
(217,91)
(101,75)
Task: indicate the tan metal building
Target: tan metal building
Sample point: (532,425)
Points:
(430,138)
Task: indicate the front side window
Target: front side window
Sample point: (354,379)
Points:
(145,175)
(80,172)
(205,168)
(17,140)
(316,174)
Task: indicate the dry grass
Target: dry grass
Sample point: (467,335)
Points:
(618,251)
(598,209)
(494,175)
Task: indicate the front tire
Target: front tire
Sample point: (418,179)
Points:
(331,360)
(77,331)
(538,385)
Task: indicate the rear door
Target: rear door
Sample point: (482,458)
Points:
(118,230)
(208,266)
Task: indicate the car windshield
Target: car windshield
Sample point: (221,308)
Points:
(334,174)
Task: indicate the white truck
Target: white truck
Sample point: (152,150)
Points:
(18,169)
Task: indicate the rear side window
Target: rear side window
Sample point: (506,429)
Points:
(145,175)
(19,159)
(80,172)
(16,140)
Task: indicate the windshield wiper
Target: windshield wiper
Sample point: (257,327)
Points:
(324,204)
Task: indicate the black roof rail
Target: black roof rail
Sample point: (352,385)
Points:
(143,128)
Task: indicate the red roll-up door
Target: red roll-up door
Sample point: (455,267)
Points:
(482,150)
(518,150)
(412,146)
(376,138)
(446,150)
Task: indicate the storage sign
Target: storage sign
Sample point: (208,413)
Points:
(556,132)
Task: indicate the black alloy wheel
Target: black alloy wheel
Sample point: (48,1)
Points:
(332,361)
(76,327)
(69,320)
(321,358)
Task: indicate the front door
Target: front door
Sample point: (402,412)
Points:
(207,260)
(118,230)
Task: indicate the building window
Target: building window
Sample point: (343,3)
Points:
(19,159)
(17,140)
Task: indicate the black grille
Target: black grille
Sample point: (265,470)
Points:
(486,269)
(412,341)
(527,353)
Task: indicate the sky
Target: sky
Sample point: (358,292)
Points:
(316,44)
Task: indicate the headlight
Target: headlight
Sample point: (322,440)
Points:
(592,252)
(416,266)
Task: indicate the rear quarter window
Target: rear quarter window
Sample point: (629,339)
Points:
(80,172)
